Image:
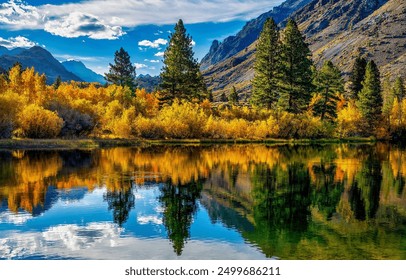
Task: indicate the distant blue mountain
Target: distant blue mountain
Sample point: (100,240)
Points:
(84,73)
(40,59)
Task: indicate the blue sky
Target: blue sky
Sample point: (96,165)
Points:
(92,30)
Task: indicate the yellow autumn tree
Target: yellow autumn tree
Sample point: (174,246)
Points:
(36,122)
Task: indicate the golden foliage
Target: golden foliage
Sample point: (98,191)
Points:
(25,185)
(36,122)
(9,106)
(116,111)
(349,121)
(182,120)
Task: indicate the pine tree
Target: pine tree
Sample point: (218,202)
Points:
(328,83)
(388,97)
(357,77)
(233,97)
(370,97)
(264,84)
(180,76)
(122,73)
(295,83)
(210,95)
(399,93)
(58,82)
(399,89)
(223,97)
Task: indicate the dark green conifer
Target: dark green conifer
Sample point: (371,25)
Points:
(328,83)
(180,76)
(233,97)
(357,77)
(264,84)
(223,97)
(122,72)
(370,97)
(295,83)
(399,89)
(58,82)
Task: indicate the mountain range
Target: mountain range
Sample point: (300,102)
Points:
(336,30)
(71,70)
(249,33)
(45,63)
(40,59)
(84,73)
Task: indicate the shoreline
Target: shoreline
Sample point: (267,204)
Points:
(97,143)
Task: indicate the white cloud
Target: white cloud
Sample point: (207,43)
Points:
(105,241)
(79,24)
(12,218)
(193,43)
(19,15)
(17,42)
(106,19)
(79,57)
(140,65)
(155,44)
(159,54)
(152,60)
(143,220)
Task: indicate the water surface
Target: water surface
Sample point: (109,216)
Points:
(204,202)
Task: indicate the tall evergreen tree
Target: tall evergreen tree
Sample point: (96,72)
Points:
(388,97)
(122,72)
(328,83)
(223,97)
(399,89)
(399,93)
(295,83)
(180,76)
(57,82)
(233,97)
(264,84)
(370,97)
(357,77)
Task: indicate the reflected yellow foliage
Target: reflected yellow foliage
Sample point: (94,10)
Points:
(228,169)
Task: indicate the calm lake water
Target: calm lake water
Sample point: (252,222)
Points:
(205,202)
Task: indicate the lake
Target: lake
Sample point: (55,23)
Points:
(339,201)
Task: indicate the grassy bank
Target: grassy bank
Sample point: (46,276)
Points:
(105,143)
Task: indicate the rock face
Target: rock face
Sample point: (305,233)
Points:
(41,60)
(250,32)
(148,82)
(337,30)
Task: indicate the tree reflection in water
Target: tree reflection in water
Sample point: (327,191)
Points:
(366,189)
(180,204)
(120,201)
(285,200)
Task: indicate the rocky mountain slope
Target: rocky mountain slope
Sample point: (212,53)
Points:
(148,82)
(250,32)
(337,30)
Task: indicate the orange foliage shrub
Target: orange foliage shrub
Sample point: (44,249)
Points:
(146,104)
